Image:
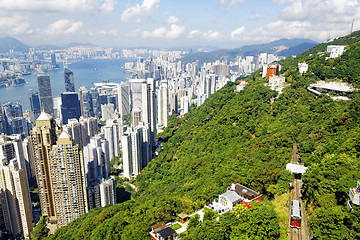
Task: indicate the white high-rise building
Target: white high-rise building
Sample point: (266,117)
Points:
(112,131)
(15,198)
(149,108)
(163,104)
(136,150)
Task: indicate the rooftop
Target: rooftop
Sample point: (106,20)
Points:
(296,168)
(44,117)
(166,232)
(245,192)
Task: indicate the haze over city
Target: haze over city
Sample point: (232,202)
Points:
(155,23)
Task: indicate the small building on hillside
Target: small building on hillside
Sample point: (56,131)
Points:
(236,194)
(354,194)
(303,67)
(335,50)
(161,231)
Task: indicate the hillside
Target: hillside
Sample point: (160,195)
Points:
(9,43)
(294,46)
(242,137)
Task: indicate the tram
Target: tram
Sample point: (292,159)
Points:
(295,218)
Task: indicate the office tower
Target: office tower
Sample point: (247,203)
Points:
(34,104)
(53,60)
(15,197)
(46,100)
(57,108)
(69,80)
(123,99)
(67,180)
(163,105)
(85,103)
(95,102)
(70,106)
(3,122)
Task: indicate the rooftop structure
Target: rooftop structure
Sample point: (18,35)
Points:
(296,168)
(333,88)
(236,194)
(161,231)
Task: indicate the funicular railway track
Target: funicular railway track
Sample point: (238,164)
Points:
(295,233)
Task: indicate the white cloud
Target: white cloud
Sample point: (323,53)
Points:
(14,25)
(173,19)
(63,26)
(147,7)
(237,33)
(174,32)
(231,2)
(113,32)
(56,5)
(109,5)
(207,36)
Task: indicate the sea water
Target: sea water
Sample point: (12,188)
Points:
(86,73)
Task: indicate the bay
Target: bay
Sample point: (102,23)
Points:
(86,73)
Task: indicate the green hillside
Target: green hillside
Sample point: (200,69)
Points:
(244,138)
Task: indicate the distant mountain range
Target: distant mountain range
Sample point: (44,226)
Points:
(282,47)
(10,43)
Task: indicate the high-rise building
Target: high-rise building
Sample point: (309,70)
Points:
(15,198)
(123,99)
(67,180)
(136,150)
(149,108)
(102,193)
(163,105)
(112,132)
(136,93)
(85,102)
(15,122)
(69,80)
(46,100)
(35,108)
(43,137)
(70,106)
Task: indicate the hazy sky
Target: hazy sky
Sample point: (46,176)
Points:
(175,23)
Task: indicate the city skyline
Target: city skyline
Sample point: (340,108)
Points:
(156,23)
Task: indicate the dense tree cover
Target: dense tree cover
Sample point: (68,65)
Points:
(40,231)
(247,137)
(259,222)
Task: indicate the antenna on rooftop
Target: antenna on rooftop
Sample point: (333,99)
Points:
(352,26)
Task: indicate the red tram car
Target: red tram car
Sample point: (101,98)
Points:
(295,218)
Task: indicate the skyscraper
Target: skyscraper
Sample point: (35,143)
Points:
(69,80)
(35,108)
(70,106)
(163,105)
(15,198)
(59,172)
(46,100)
(43,137)
(67,180)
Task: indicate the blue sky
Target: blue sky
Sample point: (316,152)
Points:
(175,23)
